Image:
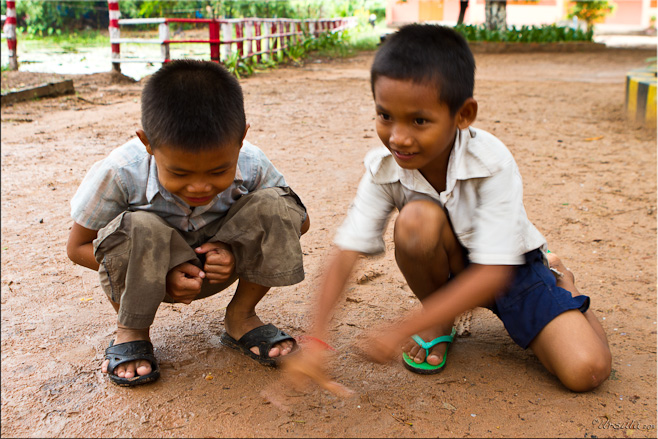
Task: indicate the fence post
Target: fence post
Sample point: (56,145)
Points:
(257,24)
(213,34)
(249,34)
(299,36)
(273,45)
(226,36)
(9,29)
(115,33)
(163,31)
(266,40)
(238,36)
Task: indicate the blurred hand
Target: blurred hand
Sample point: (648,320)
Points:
(308,366)
(381,345)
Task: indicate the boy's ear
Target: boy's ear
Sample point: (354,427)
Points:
(142,136)
(467,113)
(244,136)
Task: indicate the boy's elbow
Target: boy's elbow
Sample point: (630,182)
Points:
(306,224)
(72,253)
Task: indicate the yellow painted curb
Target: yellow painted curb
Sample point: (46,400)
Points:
(641,96)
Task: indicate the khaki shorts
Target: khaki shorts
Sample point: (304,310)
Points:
(137,249)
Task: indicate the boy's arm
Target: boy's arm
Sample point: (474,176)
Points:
(331,289)
(79,247)
(310,363)
(476,286)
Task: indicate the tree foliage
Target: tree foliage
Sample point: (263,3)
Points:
(590,11)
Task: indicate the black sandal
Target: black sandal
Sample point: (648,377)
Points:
(131,351)
(263,337)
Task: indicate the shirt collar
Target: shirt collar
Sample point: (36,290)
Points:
(467,161)
(152,183)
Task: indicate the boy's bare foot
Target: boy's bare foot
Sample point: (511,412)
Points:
(132,368)
(413,350)
(238,325)
(565,278)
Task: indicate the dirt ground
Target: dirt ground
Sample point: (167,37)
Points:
(590,187)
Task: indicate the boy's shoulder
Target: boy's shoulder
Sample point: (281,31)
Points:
(380,163)
(250,151)
(127,154)
(479,151)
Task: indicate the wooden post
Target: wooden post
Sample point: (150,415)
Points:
(257,24)
(115,33)
(273,44)
(9,30)
(213,34)
(226,36)
(249,35)
(163,31)
(238,36)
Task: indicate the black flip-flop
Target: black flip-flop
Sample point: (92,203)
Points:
(263,337)
(131,351)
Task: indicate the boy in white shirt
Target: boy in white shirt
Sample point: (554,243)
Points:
(462,236)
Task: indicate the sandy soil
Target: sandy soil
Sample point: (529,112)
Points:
(590,187)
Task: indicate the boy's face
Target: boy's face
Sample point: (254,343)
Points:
(414,125)
(196,178)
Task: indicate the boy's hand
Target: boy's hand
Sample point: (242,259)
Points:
(220,262)
(308,365)
(381,345)
(184,282)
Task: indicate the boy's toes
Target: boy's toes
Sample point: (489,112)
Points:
(281,349)
(128,370)
(104,366)
(434,359)
(143,367)
(420,356)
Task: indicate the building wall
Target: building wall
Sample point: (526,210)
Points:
(519,12)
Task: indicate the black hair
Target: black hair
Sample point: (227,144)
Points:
(426,53)
(194,105)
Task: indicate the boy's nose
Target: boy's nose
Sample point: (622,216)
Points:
(400,137)
(198,187)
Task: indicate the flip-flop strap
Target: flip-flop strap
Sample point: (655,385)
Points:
(130,351)
(264,337)
(427,345)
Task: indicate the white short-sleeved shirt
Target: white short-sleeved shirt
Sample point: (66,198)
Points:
(483,198)
(127,180)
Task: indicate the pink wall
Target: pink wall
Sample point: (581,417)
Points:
(627,12)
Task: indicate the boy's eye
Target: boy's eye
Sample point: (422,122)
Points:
(419,121)
(176,174)
(217,173)
(384,116)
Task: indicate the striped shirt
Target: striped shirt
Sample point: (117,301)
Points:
(127,180)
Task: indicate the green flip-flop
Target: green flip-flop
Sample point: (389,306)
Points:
(425,368)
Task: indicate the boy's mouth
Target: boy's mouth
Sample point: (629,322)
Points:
(202,200)
(403,155)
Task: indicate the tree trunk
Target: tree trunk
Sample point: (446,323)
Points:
(496,14)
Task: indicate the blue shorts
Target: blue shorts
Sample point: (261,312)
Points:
(533,300)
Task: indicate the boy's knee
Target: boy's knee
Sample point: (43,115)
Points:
(418,227)
(588,372)
(140,218)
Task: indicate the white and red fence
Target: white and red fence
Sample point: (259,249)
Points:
(248,37)
(9,32)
